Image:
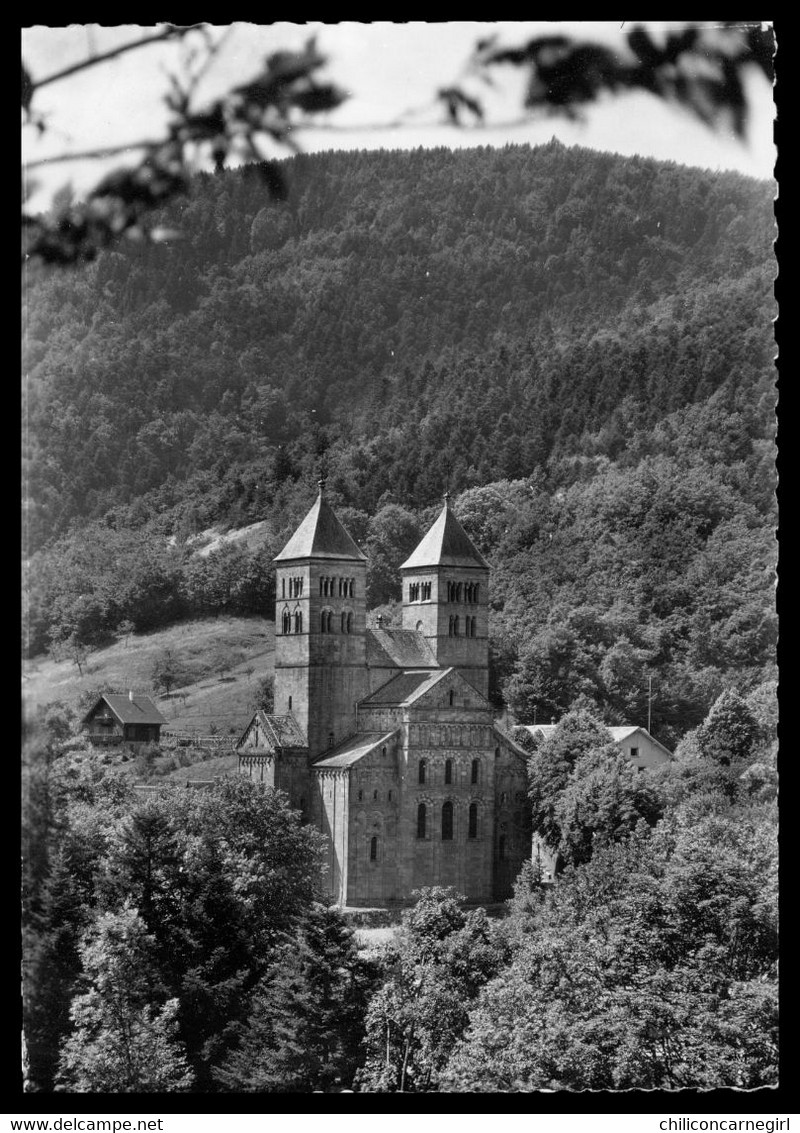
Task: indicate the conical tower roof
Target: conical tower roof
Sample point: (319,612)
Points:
(446,544)
(320,536)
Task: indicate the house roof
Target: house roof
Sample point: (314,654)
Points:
(280,731)
(404,648)
(351,750)
(321,536)
(619,732)
(445,544)
(129,710)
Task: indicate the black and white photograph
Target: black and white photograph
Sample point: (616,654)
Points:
(399,524)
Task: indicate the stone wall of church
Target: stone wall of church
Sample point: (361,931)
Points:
(329,812)
(512,821)
(446,832)
(373,830)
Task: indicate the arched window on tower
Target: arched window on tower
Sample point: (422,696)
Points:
(349,622)
(283,588)
(472,831)
(373,848)
(329,626)
(455,625)
(323,621)
(451,697)
(475,771)
(298,621)
(286,622)
(448,771)
(447,822)
(477,590)
(422,818)
(344,622)
(450,627)
(421,772)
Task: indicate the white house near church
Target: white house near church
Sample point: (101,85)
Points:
(637,743)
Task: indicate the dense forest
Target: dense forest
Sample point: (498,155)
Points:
(577,345)
(174,942)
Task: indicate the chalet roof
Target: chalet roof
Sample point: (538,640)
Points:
(445,544)
(405,648)
(619,732)
(351,750)
(321,536)
(404,688)
(129,710)
(280,731)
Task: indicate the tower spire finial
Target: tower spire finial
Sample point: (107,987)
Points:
(447,496)
(321,484)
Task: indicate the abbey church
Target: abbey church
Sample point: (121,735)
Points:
(383,737)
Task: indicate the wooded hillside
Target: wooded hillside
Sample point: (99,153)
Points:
(577,344)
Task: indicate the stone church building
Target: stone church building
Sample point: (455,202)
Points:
(383,737)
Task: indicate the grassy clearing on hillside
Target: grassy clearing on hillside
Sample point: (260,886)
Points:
(223,659)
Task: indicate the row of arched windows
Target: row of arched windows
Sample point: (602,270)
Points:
(463,592)
(328,587)
(420,591)
(292,623)
(328,622)
(294,587)
(447,821)
(454,628)
(474,771)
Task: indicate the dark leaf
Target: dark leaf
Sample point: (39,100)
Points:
(319,98)
(27,89)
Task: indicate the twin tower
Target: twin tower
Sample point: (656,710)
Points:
(326,660)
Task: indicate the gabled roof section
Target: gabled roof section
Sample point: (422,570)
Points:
(321,536)
(352,750)
(279,731)
(404,648)
(403,689)
(510,743)
(446,544)
(129,710)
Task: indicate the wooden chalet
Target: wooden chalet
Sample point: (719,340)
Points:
(120,719)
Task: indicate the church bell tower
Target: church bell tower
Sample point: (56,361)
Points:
(320,628)
(446,598)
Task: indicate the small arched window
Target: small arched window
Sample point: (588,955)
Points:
(350,622)
(287,622)
(450,626)
(421,820)
(290,704)
(373,848)
(473,821)
(475,769)
(298,622)
(323,622)
(283,588)
(421,772)
(329,622)
(352,588)
(455,625)
(448,771)
(447,822)
(451,697)
(344,622)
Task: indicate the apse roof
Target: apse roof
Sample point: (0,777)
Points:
(321,536)
(445,544)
